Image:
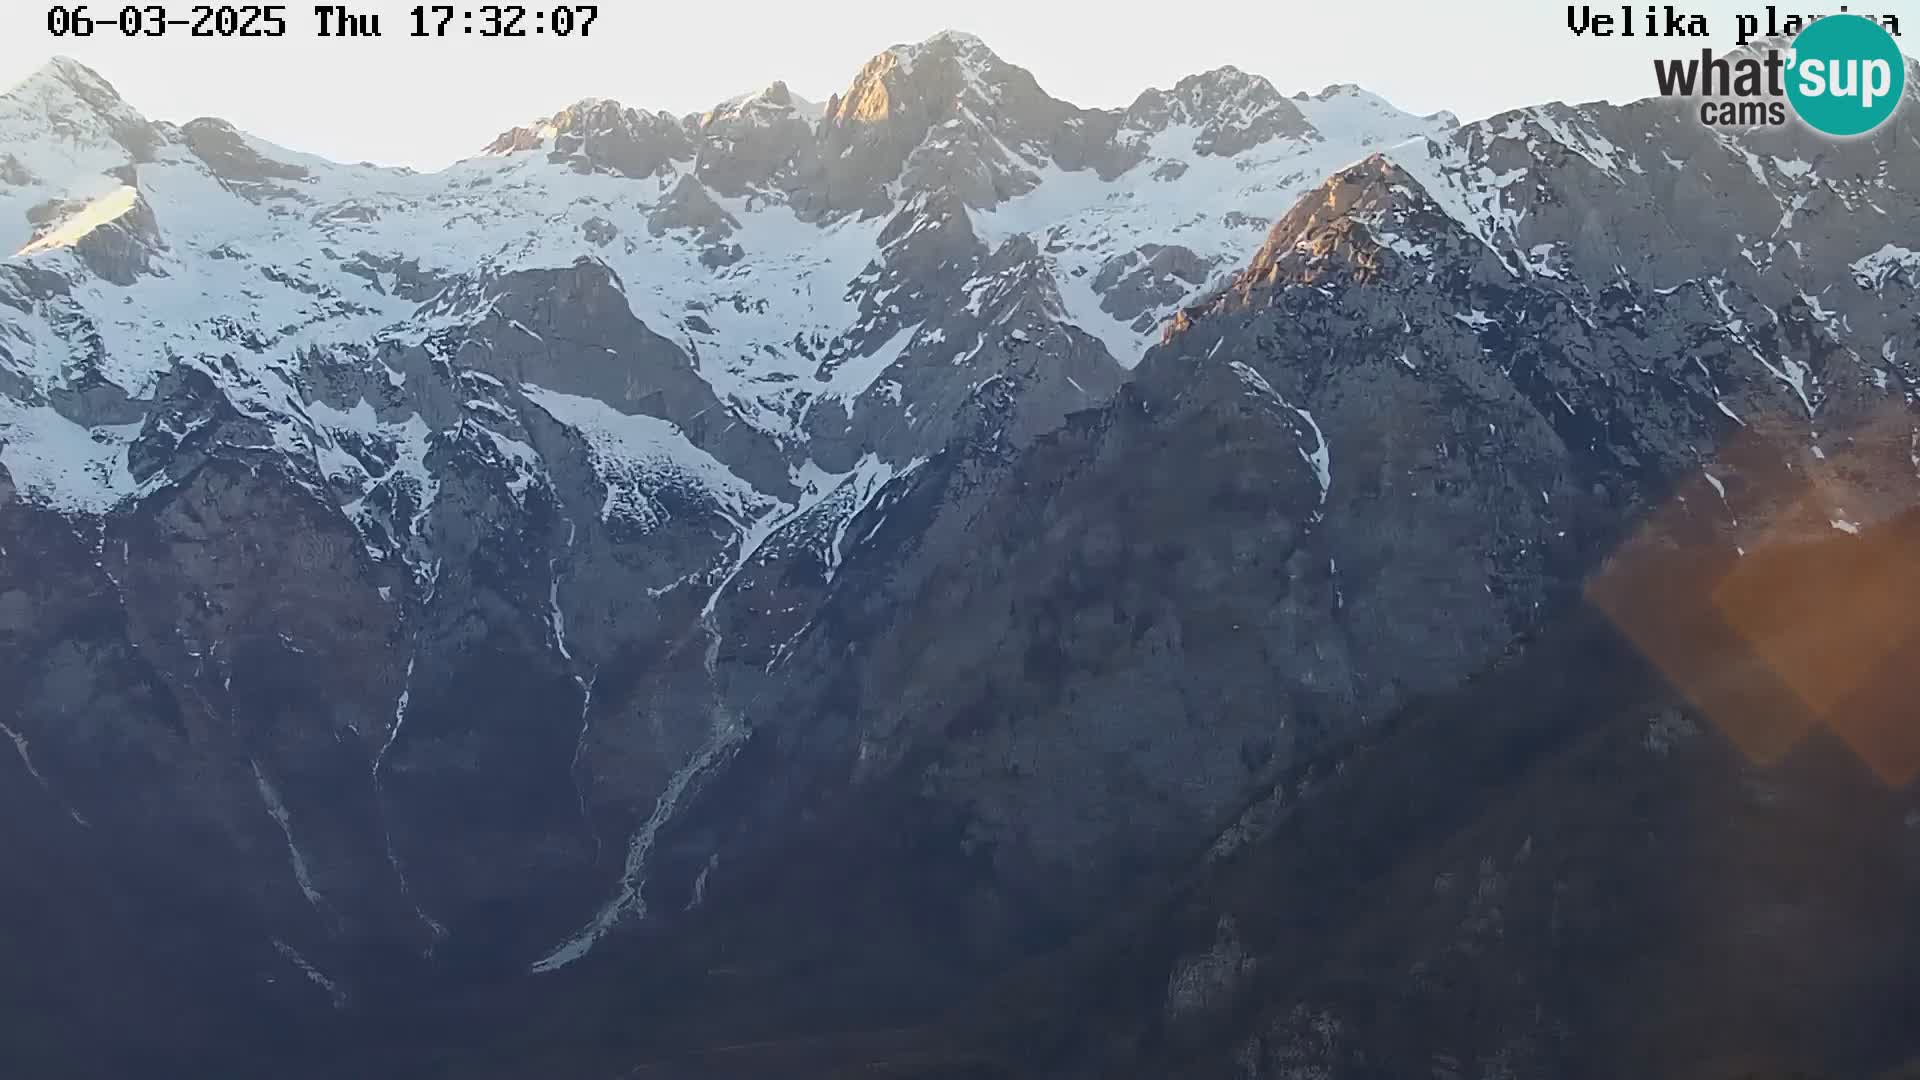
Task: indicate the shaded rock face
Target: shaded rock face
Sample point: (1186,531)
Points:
(1139,283)
(692,209)
(598,136)
(1230,110)
(229,155)
(1491,466)
(765,141)
(1513,929)
(1387,453)
(771,575)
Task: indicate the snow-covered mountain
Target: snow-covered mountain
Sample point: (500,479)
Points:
(885,530)
(829,277)
(593,378)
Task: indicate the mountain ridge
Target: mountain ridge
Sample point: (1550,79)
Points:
(62,70)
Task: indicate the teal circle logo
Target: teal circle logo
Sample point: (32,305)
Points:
(1846,75)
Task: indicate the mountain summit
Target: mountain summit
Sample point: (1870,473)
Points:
(64,132)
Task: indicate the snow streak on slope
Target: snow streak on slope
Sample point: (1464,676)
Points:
(435,930)
(834,500)
(629,900)
(1320,458)
(827,507)
(637,457)
(25,753)
(855,376)
(336,994)
(270,795)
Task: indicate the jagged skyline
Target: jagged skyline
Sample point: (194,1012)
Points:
(1097,62)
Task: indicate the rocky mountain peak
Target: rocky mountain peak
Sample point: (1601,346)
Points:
(955,43)
(1358,103)
(774,107)
(600,135)
(773,102)
(68,101)
(1331,90)
(1229,110)
(1355,112)
(755,142)
(66,139)
(934,75)
(65,75)
(1223,86)
(945,109)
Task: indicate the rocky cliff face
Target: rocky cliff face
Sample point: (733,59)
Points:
(763,525)
(1534,392)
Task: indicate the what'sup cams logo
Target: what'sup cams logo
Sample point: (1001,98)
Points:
(1843,75)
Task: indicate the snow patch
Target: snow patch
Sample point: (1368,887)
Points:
(61,465)
(1876,270)
(636,456)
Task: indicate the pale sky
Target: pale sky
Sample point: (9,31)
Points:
(423,102)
